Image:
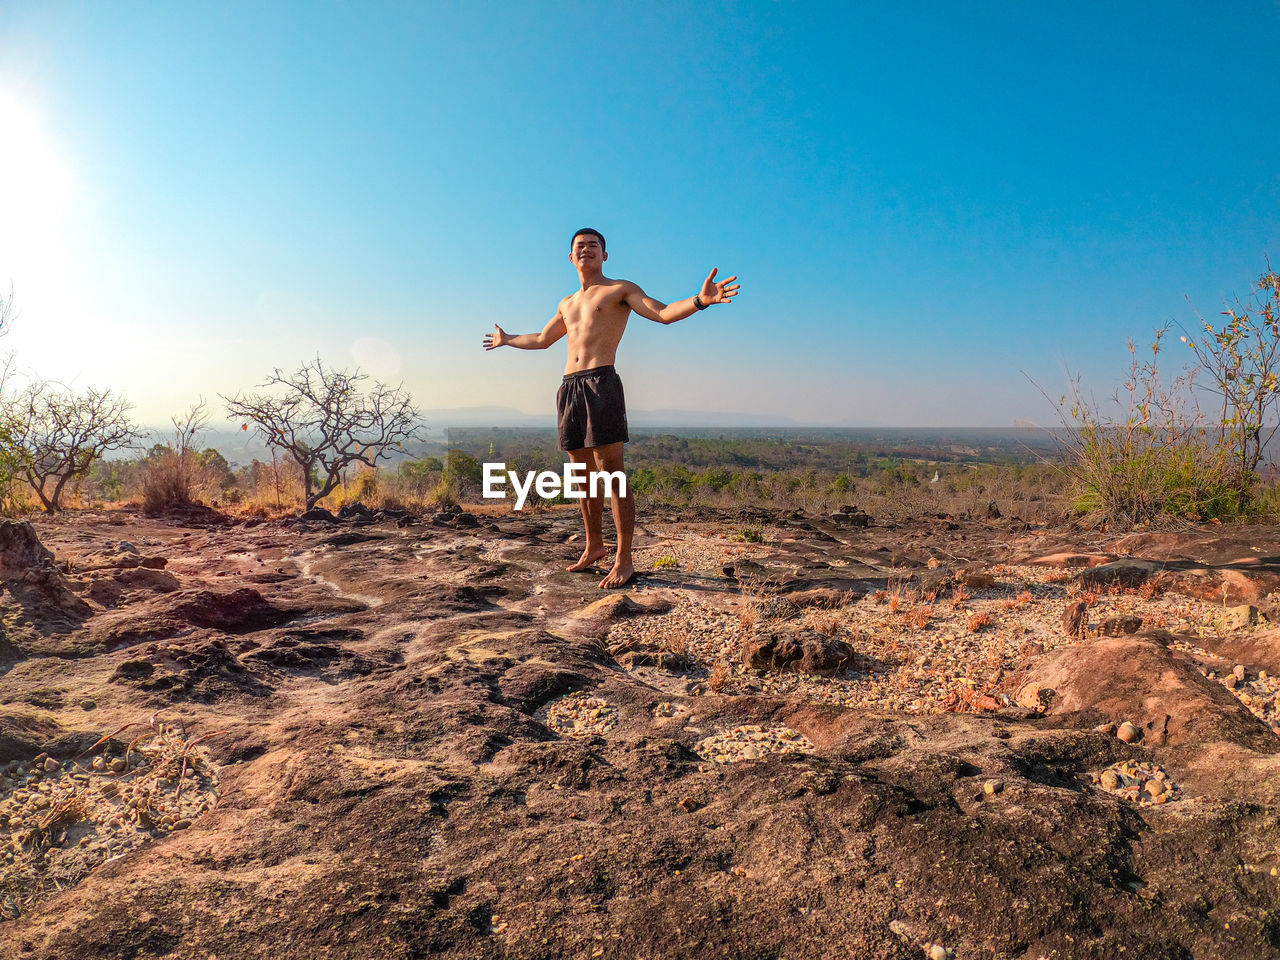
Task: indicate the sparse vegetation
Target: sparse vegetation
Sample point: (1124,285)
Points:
(170,480)
(1163,458)
(54,435)
(325,420)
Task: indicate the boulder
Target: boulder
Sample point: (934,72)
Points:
(1140,680)
(21,550)
(1244,615)
(791,648)
(355,511)
(1119,573)
(240,611)
(851,519)
(1068,560)
(1120,626)
(620,605)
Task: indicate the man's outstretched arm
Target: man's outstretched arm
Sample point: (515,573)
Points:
(712,292)
(552,332)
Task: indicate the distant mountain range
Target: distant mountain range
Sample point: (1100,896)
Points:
(507,417)
(241,446)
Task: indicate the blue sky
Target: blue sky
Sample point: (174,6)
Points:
(922,200)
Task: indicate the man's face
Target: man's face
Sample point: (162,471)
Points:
(586,251)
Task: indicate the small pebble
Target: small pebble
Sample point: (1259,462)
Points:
(992,787)
(1128,733)
(937,952)
(1238,670)
(52,766)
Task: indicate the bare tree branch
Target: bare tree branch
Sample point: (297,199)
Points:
(56,434)
(7,312)
(325,420)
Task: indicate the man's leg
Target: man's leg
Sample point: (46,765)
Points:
(609,458)
(592,516)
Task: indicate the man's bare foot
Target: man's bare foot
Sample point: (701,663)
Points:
(589,556)
(619,576)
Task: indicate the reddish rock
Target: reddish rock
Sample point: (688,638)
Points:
(1120,573)
(1073,618)
(1120,626)
(1140,680)
(621,605)
(20,549)
(1068,560)
(794,649)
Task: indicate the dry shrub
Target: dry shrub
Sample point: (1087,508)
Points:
(823,621)
(721,673)
(978,621)
(1153,588)
(168,483)
(1155,459)
(920,616)
(444,494)
(677,643)
(959,597)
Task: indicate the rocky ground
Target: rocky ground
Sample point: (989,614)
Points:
(793,737)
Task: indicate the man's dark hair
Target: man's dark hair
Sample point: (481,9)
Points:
(591,231)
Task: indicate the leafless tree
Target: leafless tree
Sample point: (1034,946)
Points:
(7,312)
(325,420)
(56,434)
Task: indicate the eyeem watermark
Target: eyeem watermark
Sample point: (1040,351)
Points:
(573,483)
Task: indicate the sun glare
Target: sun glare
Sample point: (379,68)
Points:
(35,185)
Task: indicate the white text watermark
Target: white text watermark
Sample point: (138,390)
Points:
(575,483)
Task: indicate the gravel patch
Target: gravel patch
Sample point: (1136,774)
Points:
(1145,784)
(751,742)
(60,820)
(1260,693)
(915,654)
(580,715)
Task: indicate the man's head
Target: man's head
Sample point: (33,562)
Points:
(587,248)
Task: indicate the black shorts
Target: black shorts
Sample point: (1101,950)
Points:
(590,409)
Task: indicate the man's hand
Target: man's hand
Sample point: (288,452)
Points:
(498,338)
(722,292)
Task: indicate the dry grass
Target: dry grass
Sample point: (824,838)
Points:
(921,616)
(978,621)
(825,622)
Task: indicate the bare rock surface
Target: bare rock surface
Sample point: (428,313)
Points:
(410,740)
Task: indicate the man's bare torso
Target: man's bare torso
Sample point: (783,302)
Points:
(595,320)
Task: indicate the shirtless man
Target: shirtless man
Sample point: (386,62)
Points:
(589,406)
